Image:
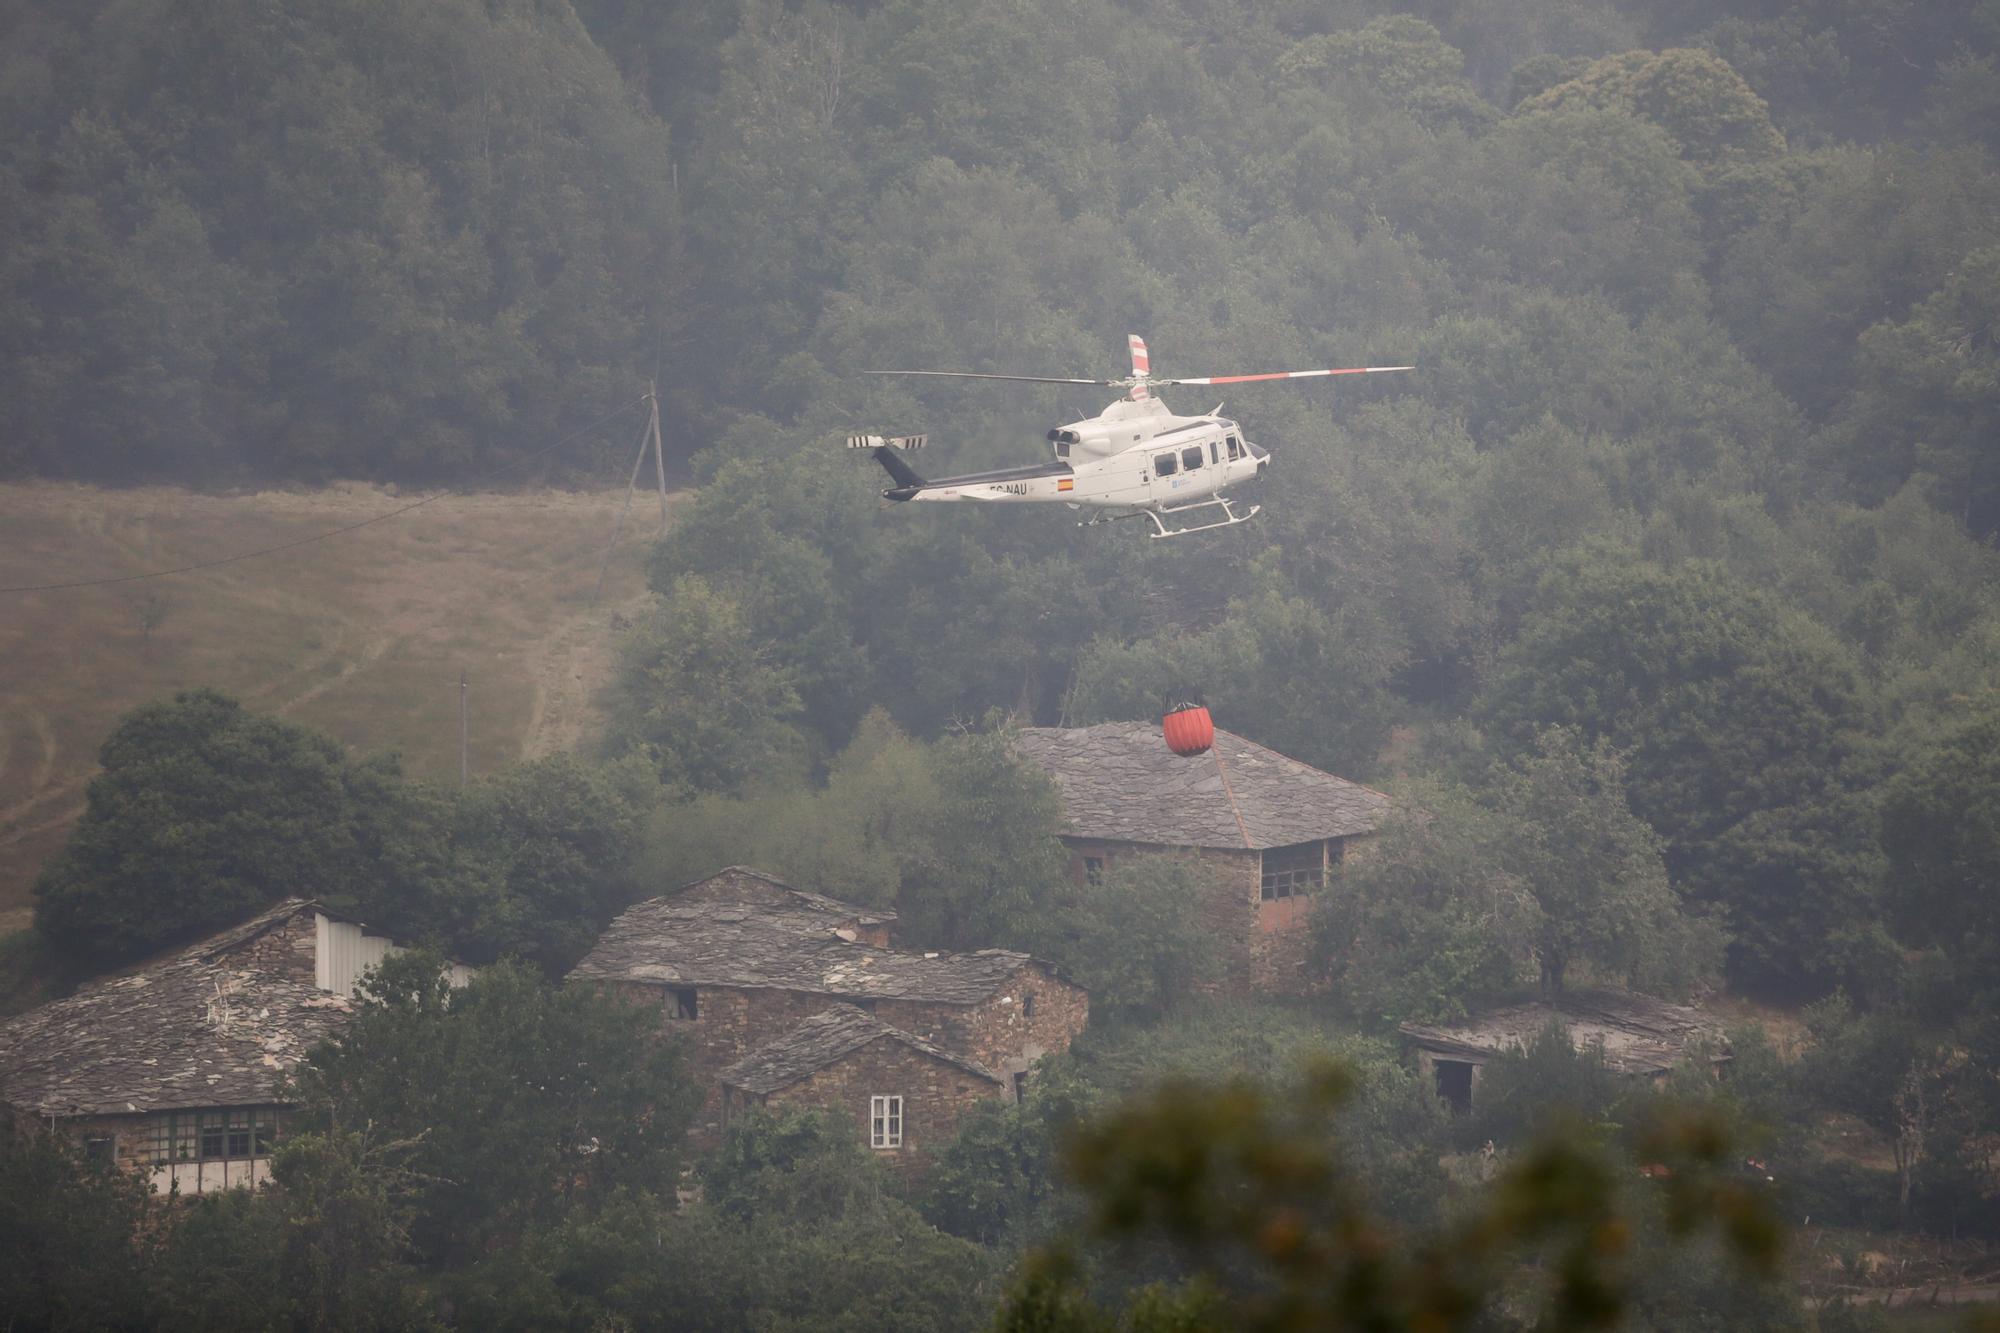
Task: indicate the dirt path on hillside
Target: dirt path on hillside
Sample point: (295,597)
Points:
(571,669)
(362,636)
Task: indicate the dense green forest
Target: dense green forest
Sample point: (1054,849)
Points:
(1664,594)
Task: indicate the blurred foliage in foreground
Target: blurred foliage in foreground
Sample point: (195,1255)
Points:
(1248,1196)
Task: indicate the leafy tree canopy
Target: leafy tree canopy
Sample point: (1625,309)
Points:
(203,814)
(1694,95)
(512,1097)
(1739,719)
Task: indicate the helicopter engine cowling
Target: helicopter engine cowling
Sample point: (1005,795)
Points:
(1081,442)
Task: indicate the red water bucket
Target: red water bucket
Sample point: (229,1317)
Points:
(1190,731)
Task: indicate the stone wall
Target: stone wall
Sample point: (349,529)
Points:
(1263,944)
(730,1023)
(1229,917)
(288,948)
(936,1095)
(996,1032)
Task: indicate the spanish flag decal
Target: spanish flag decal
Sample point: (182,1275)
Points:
(1066,484)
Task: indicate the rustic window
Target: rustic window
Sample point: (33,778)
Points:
(1291,871)
(681,1003)
(885,1122)
(100,1148)
(1028,1005)
(204,1136)
(1093,870)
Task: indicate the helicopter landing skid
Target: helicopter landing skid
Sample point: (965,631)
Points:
(1230,517)
(1162,530)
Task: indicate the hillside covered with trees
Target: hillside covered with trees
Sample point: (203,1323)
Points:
(1663,596)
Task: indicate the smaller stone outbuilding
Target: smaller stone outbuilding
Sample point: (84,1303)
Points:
(909,1094)
(1641,1037)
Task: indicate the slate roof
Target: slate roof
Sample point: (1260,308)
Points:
(670,942)
(823,1039)
(199,1028)
(1640,1035)
(804,898)
(1121,783)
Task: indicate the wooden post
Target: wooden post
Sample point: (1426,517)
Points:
(646,437)
(659,450)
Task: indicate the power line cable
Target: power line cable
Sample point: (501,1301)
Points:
(334,532)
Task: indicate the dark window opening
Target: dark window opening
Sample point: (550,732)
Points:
(1093,870)
(100,1149)
(1454,1083)
(1191,457)
(1020,1088)
(1165,465)
(1290,872)
(1028,1005)
(681,1003)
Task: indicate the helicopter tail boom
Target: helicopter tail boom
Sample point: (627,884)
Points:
(908,483)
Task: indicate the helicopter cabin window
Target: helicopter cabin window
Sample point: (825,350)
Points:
(1165,465)
(1235,449)
(1191,457)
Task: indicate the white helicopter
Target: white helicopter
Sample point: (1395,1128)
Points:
(1135,459)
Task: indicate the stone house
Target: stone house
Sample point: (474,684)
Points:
(1275,826)
(740,961)
(906,1092)
(1641,1037)
(170,1067)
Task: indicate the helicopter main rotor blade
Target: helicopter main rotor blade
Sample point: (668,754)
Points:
(1286,375)
(974,375)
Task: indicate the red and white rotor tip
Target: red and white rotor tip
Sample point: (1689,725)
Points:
(1142,364)
(1286,375)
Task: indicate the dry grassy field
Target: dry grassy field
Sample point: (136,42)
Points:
(362,635)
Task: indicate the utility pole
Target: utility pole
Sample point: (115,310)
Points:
(649,439)
(461,730)
(659,451)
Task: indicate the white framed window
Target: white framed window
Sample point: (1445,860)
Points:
(885,1122)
